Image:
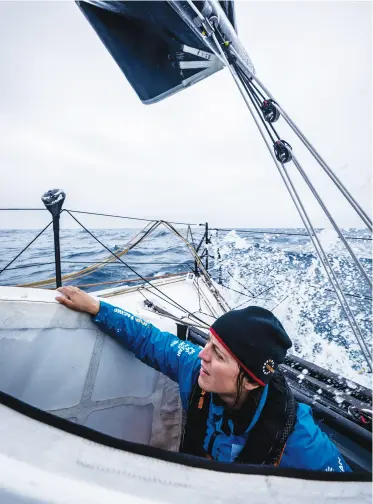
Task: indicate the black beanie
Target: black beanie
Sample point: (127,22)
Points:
(255,338)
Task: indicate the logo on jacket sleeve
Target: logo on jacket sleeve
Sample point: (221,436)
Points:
(340,467)
(182,346)
(268,367)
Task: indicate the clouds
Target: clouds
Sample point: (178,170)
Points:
(70,119)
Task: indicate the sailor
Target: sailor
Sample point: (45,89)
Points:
(239,406)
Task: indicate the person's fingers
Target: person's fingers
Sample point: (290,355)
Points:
(66,290)
(61,289)
(69,290)
(65,301)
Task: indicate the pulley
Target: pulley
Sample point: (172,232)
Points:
(270,111)
(282,151)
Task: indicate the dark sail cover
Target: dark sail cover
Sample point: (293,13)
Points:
(159,50)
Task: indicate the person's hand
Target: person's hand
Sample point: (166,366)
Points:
(78,300)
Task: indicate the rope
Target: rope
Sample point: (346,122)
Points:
(171,301)
(104,263)
(257,89)
(191,235)
(199,297)
(359,210)
(96,265)
(293,193)
(248,91)
(172,317)
(221,301)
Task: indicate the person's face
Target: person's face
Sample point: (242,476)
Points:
(219,370)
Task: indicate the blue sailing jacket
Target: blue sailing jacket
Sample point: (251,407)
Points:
(307,446)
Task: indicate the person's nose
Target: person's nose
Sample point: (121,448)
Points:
(205,353)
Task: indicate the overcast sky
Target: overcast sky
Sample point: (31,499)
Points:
(69,119)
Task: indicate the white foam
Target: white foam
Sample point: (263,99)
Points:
(268,274)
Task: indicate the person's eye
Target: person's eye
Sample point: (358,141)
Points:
(219,356)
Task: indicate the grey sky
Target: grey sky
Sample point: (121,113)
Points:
(69,119)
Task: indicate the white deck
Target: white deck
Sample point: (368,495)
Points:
(40,464)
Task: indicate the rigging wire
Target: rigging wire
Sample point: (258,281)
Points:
(312,234)
(332,221)
(25,248)
(245,81)
(170,300)
(155,308)
(22,209)
(131,280)
(303,214)
(239,283)
(96,266)
(254,296)
(355,205)
(247,89)
(130,218)
(247,85)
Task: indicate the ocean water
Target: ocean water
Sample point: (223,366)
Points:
(274,268)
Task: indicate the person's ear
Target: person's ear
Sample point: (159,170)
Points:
(249,386)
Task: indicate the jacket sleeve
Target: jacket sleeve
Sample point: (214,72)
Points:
(308,447)
(162,351)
